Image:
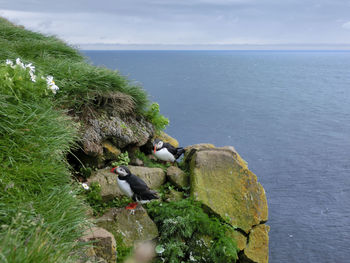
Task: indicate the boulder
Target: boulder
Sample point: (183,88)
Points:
(104,245)
(176,176)
(190,150)
(227,187)
(167,138)
(241,239)
(120,131)
(153,177)
(232,149)
(130,227)
(108,183)
(257,249)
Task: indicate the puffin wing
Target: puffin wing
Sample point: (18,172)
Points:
(140,188)
(179,152)
(170,148)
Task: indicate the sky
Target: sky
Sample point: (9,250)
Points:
(164,24)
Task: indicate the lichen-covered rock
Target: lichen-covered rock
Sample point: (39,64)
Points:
(229,189)
(190,150)
(176,176)
(129,227)
(257,249)
(121,132)
(153,177)
(104,245)
(108,183)
(241,240)
(167,138)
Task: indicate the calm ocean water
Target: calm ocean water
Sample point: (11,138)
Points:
(287,114)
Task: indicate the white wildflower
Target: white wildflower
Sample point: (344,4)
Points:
(85,186)
(51,84)
(19,63)
(191,257)
(32,76)
(31,67)
(9,62)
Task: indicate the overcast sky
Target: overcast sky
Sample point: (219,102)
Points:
(186,22)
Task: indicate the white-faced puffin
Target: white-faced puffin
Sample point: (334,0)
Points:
(133,186)
(166,152)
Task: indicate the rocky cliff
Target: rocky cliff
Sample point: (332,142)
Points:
(216,176)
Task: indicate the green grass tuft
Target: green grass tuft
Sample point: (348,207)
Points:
(80,83)
(40,217)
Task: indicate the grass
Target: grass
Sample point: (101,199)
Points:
(40,217)
(41,213)
(81,84)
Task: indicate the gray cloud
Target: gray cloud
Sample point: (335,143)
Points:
(186,21)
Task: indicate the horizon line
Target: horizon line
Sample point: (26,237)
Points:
(217,47)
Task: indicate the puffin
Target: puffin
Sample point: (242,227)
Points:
(133,186)
(166,152)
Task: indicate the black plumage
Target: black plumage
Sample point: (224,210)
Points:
(138,186)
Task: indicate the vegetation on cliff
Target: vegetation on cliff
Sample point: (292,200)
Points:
(41,215)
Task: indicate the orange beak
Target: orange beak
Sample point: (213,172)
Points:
(155,149)
(113,169)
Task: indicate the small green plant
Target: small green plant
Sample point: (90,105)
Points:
(86,171)
(123,251)
(158,120)
(188,234)
(93,197)
(123,159)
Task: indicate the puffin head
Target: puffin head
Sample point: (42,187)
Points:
(121,170)
(158,144)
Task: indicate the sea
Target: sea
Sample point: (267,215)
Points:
(286,112)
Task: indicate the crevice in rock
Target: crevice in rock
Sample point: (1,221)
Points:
(242,258)
(260,223)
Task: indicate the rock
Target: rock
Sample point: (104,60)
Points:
(257,249)
(108,182)
(241,161)
(190,150)
(120,131)
(229,189)
(136,162)
(174,195)
(178,177)
(131,228)
(167,138)
(104,245)
(110,152)
(241,239)
(153,177)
